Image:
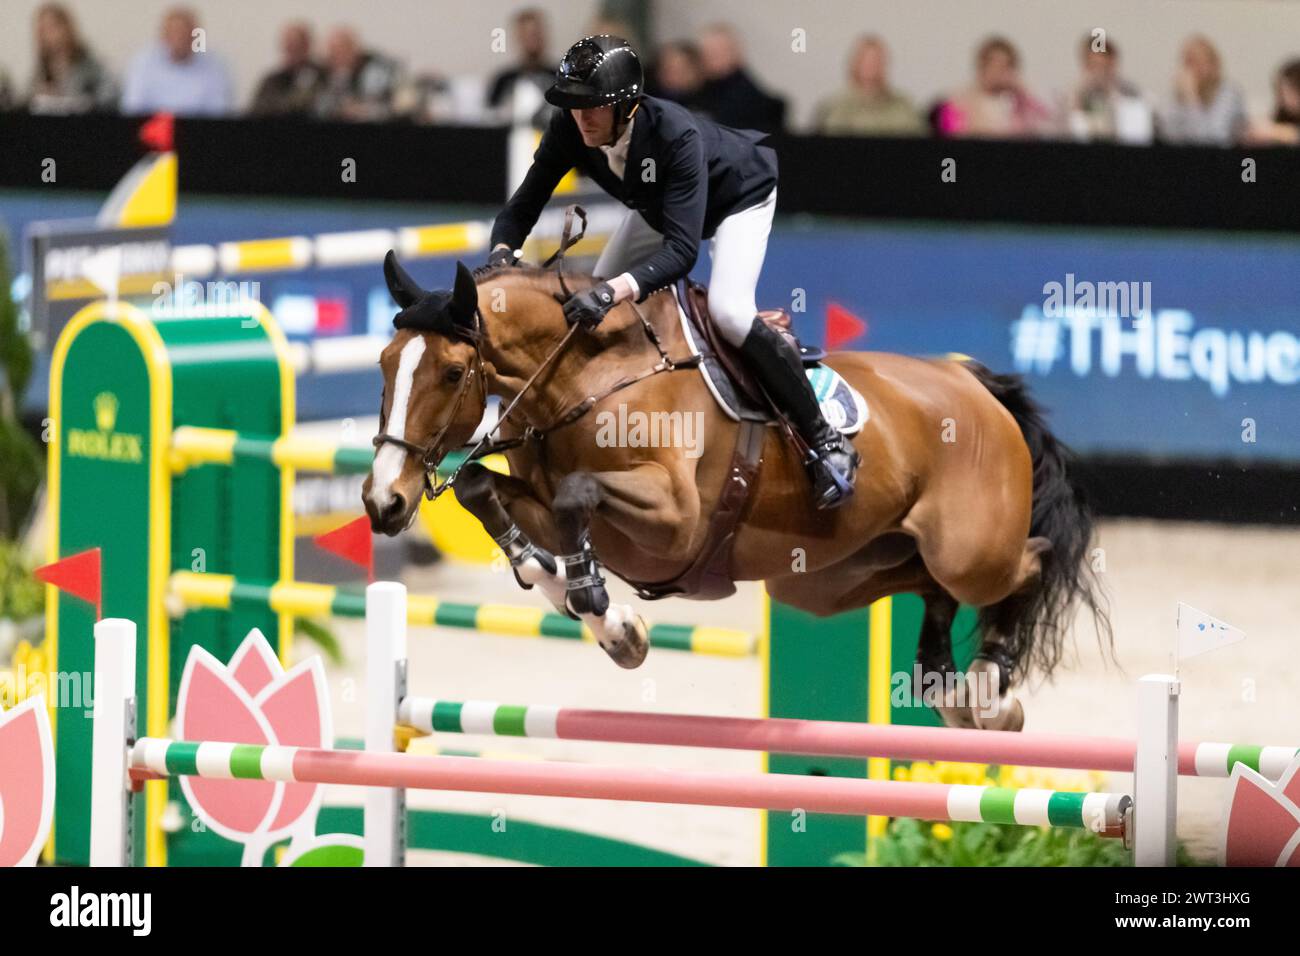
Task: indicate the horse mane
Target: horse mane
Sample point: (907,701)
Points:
(533,277)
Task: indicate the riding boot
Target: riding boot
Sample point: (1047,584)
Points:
(832,461)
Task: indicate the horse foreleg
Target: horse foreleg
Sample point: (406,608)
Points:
(618,630)
(501,503)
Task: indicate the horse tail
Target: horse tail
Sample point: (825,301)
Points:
(1033,624)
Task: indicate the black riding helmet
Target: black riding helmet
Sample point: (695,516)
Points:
(598,71)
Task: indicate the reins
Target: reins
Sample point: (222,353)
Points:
(430,454)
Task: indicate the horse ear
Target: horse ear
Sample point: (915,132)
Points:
(464,297)
(404,290)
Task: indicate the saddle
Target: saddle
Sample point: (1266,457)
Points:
(708,577)
(730,378)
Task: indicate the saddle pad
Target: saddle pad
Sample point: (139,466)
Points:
(843,405)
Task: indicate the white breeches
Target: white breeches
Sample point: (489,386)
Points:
(737,250)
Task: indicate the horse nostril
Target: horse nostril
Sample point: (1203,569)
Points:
(396,509)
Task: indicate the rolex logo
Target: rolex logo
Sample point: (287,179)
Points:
(105,411)
(103,442)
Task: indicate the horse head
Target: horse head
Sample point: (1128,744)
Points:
(435,392)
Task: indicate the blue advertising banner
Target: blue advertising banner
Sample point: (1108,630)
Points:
(1156,345)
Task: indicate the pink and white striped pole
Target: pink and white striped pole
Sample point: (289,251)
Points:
(825,738)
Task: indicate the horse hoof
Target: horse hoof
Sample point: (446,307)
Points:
(1010,716)
(626,639)
(993,706)
(962,718)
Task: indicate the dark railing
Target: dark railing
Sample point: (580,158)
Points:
(1017,182)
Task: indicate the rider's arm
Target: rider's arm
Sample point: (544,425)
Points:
(685,200)
(551,162)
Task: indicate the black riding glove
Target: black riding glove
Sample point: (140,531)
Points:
(501,256)
(587,308)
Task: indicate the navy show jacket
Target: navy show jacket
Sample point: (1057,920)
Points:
(684,175)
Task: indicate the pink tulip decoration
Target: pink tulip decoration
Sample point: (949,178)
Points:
(26,782)
(253,700)
(1262,826)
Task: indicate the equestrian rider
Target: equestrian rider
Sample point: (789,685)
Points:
(684,179)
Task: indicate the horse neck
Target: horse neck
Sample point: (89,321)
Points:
(519,339)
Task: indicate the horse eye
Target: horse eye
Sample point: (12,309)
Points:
(455,374)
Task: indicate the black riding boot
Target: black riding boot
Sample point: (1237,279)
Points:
(832,461)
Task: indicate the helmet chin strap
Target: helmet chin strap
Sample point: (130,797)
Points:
(621,121)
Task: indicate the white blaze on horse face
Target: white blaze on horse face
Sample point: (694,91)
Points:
(391,458)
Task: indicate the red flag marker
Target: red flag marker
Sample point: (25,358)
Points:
(842,326)
(352,541)
(158,132)
(79,575)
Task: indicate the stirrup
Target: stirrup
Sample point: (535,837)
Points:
(839,489)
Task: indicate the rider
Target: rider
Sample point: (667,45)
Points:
(684,180)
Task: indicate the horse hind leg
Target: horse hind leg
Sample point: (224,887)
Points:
(1000,576)
(1000,662)
(936,667)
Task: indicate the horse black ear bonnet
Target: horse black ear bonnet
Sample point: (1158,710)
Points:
(432,313)
(441,310)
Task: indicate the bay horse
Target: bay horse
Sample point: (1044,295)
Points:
(964,495)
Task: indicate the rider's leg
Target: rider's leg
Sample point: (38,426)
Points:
(739,246)
(631,244)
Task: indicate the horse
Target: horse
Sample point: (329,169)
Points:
(964,496)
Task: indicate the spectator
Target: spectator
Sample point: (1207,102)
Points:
(998,105)
(68,78)
(359,84)
(729,96)
(1104,106)
(172,77)
(1204,107)
(869,106)
(676,74)
(6,91)
(516,92)
(292,88)
(1284,128)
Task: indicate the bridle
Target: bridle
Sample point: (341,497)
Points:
(431,455)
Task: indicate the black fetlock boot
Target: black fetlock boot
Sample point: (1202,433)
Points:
(832,461)
(584,583)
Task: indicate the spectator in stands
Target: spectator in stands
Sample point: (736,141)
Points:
(516,93)
(1205,108)
(174,77)
(998,105)
(1105,106)
(729,96)
(359,84)
(869,106)
(68,77)
(676,74)
(1284,127)
(293,87)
